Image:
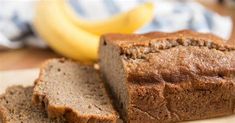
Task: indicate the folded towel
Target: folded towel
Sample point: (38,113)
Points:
(16,17)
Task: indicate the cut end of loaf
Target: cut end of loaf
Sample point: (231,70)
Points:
(75,91)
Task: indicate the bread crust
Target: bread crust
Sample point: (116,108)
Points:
(3,114)
(183,34)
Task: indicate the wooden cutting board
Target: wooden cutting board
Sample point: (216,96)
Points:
(27,77)
(17,77)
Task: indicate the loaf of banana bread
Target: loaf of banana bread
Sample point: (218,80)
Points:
(169,77)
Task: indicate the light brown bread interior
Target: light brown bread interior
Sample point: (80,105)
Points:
(74,91)
(16,107)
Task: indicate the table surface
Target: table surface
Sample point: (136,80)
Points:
(33,57)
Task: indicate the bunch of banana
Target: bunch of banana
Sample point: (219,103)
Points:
(78,39)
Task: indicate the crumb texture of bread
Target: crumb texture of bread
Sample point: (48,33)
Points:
(169,77)
(16,107)
(74,91)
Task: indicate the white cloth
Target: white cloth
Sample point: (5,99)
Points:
(170,15)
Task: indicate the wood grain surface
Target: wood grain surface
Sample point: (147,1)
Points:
(24,58)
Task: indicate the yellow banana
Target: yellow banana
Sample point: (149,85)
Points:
(62,35)
(78,41)
(43,29)
(126,22)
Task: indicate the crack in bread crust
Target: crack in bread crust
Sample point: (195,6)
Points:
(137,51)
(147,113)
(168,108)
(180,64)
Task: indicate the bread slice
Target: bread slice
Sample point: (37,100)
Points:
(169,77)
(16,107)
(74,91)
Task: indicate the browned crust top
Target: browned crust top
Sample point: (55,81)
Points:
(140,47)
(143,39)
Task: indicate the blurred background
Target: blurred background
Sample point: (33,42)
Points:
(32,31)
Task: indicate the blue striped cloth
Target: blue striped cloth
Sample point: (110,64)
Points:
(170,15)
